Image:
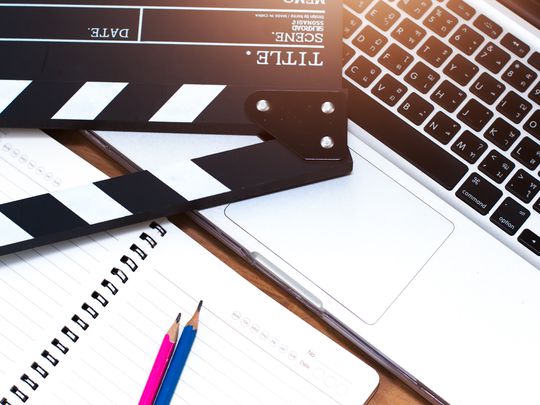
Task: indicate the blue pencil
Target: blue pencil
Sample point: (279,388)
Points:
(176,366)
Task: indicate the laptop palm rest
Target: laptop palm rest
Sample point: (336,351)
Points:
(371,236)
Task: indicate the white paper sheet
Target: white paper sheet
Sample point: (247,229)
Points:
(249,349)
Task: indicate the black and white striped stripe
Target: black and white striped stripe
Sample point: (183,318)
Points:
(10,90)
(195,184)
(112,104)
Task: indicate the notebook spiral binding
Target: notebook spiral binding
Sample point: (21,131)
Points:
(70,333)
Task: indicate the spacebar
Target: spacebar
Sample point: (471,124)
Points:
(404,139)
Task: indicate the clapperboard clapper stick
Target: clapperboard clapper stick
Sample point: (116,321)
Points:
(310,145)
(198,66)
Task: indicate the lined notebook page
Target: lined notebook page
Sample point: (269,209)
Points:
(38,286)
(249,349)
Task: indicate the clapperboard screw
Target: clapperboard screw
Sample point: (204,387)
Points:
(327,142)
(263,105)
(328,108)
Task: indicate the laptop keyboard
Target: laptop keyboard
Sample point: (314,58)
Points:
(456,95)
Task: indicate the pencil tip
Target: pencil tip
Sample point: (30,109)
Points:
(200,306)
(178,318)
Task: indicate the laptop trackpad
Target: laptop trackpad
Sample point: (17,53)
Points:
(362,238)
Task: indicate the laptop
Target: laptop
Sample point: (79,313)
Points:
(427,256)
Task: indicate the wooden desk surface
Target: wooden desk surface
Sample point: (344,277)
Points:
(391,390)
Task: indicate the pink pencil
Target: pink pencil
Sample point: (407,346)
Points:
(160,365)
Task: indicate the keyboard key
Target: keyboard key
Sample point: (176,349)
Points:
(510,216)
(422,78)
(383,16)
(535,94)
(524,186)
(448,96)
(461,8)
(405,140)
(527,153)
(469,147)
(416,109)
(502,134)
(531,241)
(461,70)
(466,40)
(487,88)
(442,128)
(519,76)
(534,60)
(358,5)
(515,45)
(479,194)
(537,206)
(347,54)
(475,115)
(395,59)
(514,107)
(389,90)
(488,26)
(408,33)
(493,58)
(496,166)
(370,41)
(363,72)
(415,8)
(350,23)
(440,21)
(533,125)
(434,52)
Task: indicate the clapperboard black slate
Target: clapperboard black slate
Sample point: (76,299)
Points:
(221,66)
(160,65)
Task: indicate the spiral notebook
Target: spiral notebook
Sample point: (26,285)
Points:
(81,321)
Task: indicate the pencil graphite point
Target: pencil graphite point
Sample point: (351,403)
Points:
(194,321)
(174,329)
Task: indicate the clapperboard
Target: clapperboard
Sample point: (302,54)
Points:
(198,66)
